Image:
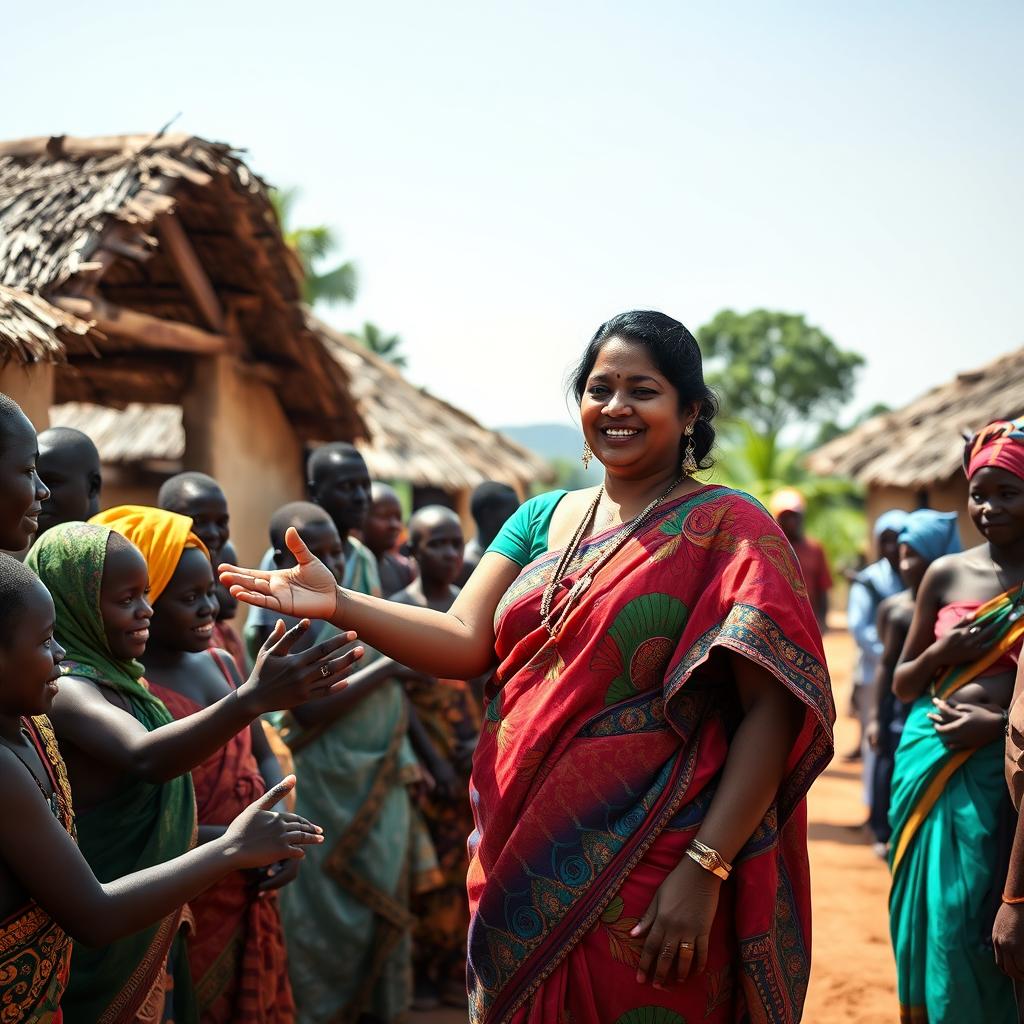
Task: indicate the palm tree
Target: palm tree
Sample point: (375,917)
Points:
(758,464)
(384,345)
(312,245)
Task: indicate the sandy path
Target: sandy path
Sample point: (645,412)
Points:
(853,980)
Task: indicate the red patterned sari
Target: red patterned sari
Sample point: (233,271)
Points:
(600,754)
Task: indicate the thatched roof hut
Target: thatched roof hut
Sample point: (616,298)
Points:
(152,269)
(912,457)
(414,436)
(417,437)
(165,246)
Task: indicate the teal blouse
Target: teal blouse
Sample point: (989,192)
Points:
(524,537)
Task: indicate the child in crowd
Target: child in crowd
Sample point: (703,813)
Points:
(49,896)
(449,716)
(491,505)
(355,762)
(128,760)
(381,535)
(199,497)
(237,956)
(22,493)
(69,465)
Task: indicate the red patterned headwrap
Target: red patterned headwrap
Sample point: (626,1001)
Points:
(1000,444)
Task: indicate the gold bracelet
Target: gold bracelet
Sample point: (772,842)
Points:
(709,859)
(1012,900)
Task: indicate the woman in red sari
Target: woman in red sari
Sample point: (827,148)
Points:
(660,708)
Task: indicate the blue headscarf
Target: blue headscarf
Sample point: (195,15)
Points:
(895,519)
(931,534)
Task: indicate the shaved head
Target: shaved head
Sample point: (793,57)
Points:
(69,465)
(428,519)
(383,492)
(299,514)
(179,491)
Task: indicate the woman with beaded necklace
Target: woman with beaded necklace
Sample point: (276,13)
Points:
(661,706)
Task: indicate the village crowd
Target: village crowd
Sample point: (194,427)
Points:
(621,710)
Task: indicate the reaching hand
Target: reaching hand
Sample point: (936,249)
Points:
(277,876)
(308,588)
(281,680)
(260,836)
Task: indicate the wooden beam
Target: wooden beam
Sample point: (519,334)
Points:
(116,380)
(190,270)
(147,331)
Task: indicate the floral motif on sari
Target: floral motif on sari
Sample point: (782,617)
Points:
(578,775)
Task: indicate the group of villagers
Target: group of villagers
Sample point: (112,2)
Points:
(572,790)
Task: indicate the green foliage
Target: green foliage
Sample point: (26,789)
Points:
(758,464)
(831,429)
(774,369)
(313,245)
(384,345)
(569,475)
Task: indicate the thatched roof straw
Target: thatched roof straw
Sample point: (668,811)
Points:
(136,434)
(33,331)
(416,436)
(922,443)
(175,229)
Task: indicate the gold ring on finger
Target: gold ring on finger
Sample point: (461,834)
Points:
(325,670)
(668,952)
(686,945)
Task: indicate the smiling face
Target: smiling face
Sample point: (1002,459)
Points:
(996,505)
(630,413)
(184,614)
(123,606)
(22,493)
(30,656)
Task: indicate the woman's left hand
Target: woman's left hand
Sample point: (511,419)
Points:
(967,726)
(678,924)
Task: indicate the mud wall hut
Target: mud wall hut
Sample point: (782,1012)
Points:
(152,270)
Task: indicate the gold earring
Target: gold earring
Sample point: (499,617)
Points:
(588,454)
(689,456)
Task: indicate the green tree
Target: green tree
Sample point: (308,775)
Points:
(384,345)
(757,463)
(831,429)
(774,369)
(313,245)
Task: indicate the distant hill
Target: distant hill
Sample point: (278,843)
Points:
(555,441)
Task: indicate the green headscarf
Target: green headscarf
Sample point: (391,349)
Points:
(69,560)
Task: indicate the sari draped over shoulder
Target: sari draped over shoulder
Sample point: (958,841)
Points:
(35,952)
(946,812)
(237,955)
(600,754)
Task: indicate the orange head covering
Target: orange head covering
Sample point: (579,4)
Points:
(786,500)
(161,536)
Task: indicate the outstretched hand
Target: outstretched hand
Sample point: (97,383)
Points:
(260,836)
(306,589)
(281,680)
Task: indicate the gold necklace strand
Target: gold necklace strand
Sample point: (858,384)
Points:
(586,578)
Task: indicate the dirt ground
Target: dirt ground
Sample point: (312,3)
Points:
(853,977)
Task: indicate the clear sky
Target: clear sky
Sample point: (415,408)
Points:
(509,175)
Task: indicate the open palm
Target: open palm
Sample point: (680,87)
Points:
(307,589)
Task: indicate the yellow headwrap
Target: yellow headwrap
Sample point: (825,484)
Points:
(161,536)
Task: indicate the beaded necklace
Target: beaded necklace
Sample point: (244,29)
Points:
(553,623)
(52,800)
